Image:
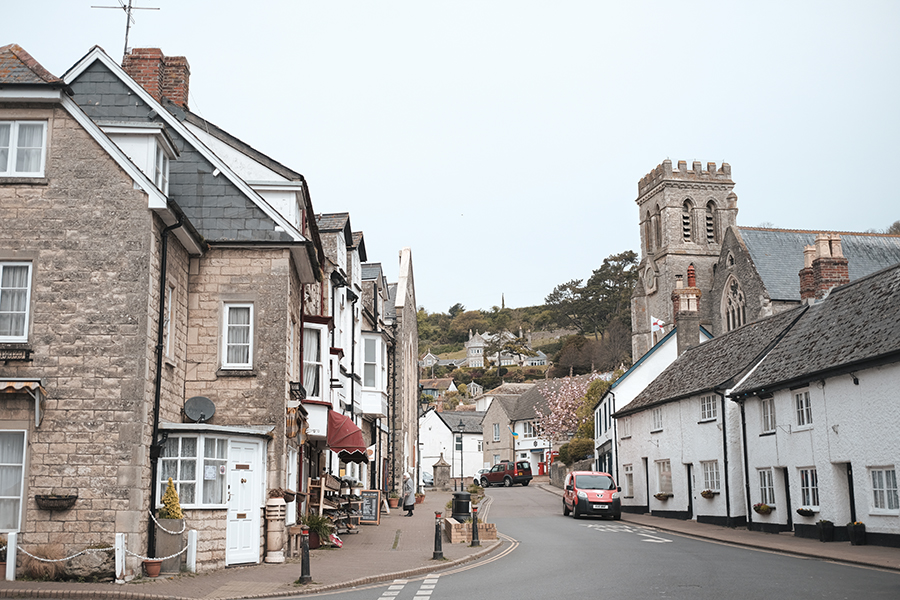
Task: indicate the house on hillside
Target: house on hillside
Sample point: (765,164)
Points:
(437,388)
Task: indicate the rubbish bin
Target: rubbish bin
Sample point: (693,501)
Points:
(462,506)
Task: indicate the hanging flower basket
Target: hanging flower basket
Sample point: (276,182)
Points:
(762,509)
(708,494)
(54,501)
(805,512)
(662,496)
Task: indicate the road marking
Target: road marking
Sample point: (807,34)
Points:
(626,529)
(654,539)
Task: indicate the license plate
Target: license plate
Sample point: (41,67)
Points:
(601,506)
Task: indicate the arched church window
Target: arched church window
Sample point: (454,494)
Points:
(658,228)
(711,237)
(648,231)
(686,220)
(734,306)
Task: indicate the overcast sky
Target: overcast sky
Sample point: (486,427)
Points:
(503,140)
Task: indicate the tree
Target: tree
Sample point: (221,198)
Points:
(568,305)
(894,228)
(563,414)
(456,309)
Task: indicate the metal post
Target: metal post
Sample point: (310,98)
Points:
(438,550)
(475,541)
(304,555)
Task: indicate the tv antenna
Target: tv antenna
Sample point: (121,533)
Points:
(127,8)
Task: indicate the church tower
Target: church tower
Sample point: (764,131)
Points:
(684,214)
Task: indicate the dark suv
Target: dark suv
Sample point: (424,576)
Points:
(507,473)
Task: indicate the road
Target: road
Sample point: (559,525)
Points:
(555,557)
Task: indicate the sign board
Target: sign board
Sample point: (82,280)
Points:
(371,507)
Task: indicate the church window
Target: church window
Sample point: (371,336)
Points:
(711,237)
(735,308)
(657,225)
(648,231)
(686,226)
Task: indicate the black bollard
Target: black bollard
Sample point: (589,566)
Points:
(475,541)
(305,577)
(438,551)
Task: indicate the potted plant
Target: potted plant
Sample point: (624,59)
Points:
(3,542)
(170,530)
(708,494)
(857,532)
(805,512)
(393,499)
(420,497)
(662,496)
(762,508)
(320,527)
(826,530)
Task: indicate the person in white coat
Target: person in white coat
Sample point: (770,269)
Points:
(409,495)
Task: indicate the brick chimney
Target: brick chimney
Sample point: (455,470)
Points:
(824,267)
(162,76)
(686,308)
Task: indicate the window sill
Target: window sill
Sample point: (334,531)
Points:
(236,373)
(656,430)
(801,428)
(765,433)
(709,420)
(24,180)
(625,437)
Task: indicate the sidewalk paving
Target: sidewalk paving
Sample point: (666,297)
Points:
(397,548)
(402,547)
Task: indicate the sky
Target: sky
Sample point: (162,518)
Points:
(503,140)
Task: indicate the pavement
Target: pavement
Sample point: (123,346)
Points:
(403,547)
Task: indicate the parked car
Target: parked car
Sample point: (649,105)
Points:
(427,479)
(591,493)
(477,477)
(507,472)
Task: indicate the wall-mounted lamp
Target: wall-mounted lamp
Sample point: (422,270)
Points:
(855,378)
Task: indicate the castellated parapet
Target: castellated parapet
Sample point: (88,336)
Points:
(665,172)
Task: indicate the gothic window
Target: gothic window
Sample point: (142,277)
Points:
(735,308)
(648,230)
(711,237)
(686,220)
(658,228)
(730,260)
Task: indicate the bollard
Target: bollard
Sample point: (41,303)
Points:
(438,551)
(304,555)
(475,541)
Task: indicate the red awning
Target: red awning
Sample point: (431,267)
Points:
(345,438)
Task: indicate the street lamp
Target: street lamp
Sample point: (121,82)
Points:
(461,427)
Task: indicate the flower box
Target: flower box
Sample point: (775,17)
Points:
(54,501)
(805,512)
(708,494)
(762,509)
(662,496)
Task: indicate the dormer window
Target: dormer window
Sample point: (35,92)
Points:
(148,146)
(161,171)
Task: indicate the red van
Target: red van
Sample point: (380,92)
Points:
(507,473)
(591,493)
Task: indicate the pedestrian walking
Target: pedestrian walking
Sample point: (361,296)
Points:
(409,495)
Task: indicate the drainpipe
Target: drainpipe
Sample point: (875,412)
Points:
(155,444)
(615,440)
(747,466)
(725,461)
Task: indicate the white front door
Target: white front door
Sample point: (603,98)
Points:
(242,532)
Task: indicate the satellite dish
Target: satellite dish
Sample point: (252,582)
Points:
(199,409)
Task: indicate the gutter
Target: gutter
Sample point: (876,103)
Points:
(156,444)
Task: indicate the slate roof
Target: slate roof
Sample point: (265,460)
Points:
(778,255)
(390,308)
(330,222)
(371,271)
(713,365)
(855,324)
(17,67)
(527,404)
(471,420)
(442,383)
(360,244)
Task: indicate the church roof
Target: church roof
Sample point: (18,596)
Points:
(855,324)
(778,255)
(713,365)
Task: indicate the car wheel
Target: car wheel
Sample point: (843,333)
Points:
(526,482)
(485,483)
(507,481)
(566,510)
(575,513)
(617,517)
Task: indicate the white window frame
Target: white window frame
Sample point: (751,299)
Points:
(884,490)
(316,363)
(11,150)
(181,460)
(629,480)
(371,370)
(16,337)
(496,432)
(480,444)
(657,419)
(625,428)
(458,442)
(17,500)
(711,479)
(292,482)
(528,427)
(809,487)
(767,413)
(766,486)
(803,409)
(227,327)
(167,325)
(664,476)
(161,169)
(708,411)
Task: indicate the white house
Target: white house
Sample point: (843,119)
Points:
(453,435)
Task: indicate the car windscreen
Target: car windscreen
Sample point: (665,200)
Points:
(523,465)
(594,482)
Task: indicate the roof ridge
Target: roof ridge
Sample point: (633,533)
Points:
(31,63)
(865,233)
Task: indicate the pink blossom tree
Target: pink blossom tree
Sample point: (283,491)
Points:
(563,415)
